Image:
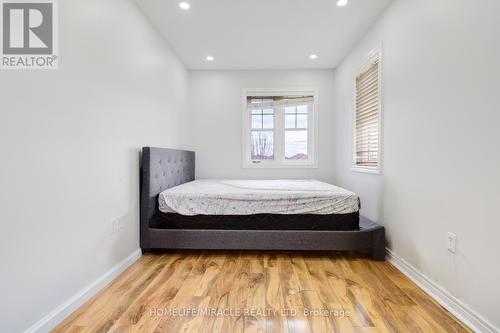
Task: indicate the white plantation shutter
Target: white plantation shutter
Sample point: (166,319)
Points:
(367,116)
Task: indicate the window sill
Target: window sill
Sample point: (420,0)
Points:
(373,171)
(279,166)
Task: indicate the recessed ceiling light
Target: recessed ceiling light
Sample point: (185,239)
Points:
(313,56)
(210,58)
(184,5)
(341,3)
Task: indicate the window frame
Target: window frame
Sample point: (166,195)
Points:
(376,170)
(279,161)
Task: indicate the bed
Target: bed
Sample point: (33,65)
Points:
(179,212)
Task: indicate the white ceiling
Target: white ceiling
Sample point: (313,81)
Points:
(262,34)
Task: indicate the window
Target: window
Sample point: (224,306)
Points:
(262,136)
(296,132)
(278,129)
(367,118)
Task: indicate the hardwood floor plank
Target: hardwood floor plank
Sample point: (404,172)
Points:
(114,313)
(256,295)
(310,297)
(341,278)
(297,322)
(137,310)
(212,270)
(274,300)
(99,301)
(436,311)
(409,288)
(167,292)
(287,292)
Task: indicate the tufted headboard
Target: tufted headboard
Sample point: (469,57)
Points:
(162,168)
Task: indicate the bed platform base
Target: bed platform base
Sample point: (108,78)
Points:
(369,238)
(164,168)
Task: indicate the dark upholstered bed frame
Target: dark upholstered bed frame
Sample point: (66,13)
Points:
(164,168)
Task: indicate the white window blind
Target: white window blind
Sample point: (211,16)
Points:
(367,128)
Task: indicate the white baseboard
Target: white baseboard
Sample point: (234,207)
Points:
(469,317)
(64,310)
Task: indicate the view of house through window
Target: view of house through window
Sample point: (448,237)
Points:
(279,129)
(296,132)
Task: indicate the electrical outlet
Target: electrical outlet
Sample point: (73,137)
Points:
(451,242)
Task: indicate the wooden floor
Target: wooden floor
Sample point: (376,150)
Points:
(260,292)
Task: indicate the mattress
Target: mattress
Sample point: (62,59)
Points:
(251,197)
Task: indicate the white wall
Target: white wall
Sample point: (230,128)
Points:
(216,110)
(69,143)
(440,92)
